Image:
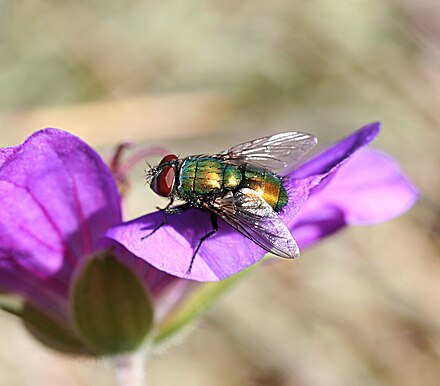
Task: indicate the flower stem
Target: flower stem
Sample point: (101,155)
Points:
(130,369)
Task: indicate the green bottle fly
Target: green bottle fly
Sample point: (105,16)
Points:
(242,185)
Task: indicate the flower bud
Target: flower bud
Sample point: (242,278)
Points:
(111,308)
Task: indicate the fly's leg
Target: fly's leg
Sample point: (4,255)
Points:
(167,210)
(214,223)
(164,221)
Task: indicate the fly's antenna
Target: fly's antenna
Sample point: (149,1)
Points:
(149,173)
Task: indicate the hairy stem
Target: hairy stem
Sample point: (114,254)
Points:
(130,369)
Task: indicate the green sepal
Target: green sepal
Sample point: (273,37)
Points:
(52,333)
(46,330)
(12,304)
(111,308)
(193,307)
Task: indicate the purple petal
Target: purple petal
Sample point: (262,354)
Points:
(313,225)
(171,247)
(319,171)
(56,198)
(5,153)
(330,160)
(45,294)
(370,188)
(156,281)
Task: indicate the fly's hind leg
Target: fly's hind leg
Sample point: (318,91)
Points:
(214,223)
(169,209)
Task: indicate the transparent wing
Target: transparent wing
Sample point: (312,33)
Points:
(251,215)
(274,153)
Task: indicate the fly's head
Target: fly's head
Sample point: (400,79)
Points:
(162,178)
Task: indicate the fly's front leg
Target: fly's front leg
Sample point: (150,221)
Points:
(169,209)
(214,223)
(175,209)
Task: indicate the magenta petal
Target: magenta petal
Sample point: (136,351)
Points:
(5,153)
(312,226)
(155,280)
(370,188)
(170,248)
(334,157)
(315,174)
(56,198)
(49,295)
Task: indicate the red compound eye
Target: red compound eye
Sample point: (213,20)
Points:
(168,158)
(163,182)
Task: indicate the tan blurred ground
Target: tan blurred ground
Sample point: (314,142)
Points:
(362,308)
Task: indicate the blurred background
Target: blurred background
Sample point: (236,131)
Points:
(362,308)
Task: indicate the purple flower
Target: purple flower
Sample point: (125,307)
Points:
(344,185)
(57,198)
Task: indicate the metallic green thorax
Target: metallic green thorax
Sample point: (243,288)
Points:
(207,176)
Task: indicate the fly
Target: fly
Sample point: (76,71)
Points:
(243,185)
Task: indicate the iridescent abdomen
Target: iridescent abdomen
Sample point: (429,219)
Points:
(267,184)
(206,176)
